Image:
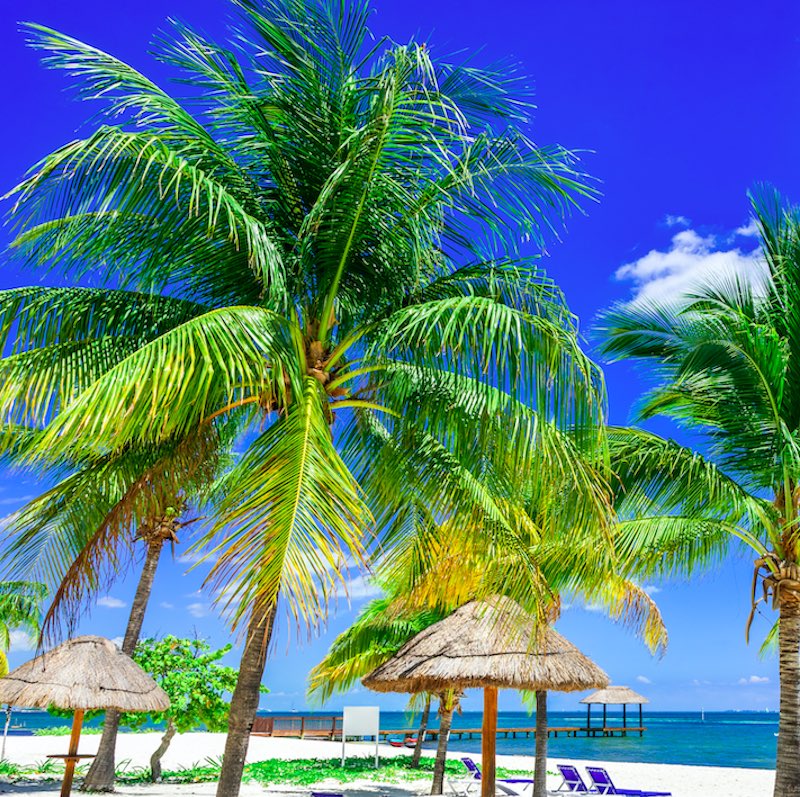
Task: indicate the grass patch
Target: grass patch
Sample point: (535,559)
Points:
(45,769)
(298,772)
(65,730)
(306,772)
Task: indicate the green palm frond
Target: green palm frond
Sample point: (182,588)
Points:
(20,607)
(176,382)
(529,355)
(376,635)
(383,367)
(290,512)
(78,538)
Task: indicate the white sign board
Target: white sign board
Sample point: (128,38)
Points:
(361,721)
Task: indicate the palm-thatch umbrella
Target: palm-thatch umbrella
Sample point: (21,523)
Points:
(615,696)
(493,644)
(85,673)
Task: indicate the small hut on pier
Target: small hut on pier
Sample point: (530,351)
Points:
(614,696)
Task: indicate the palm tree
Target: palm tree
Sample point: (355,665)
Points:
(438,567)
(81,535)
(341,221)
(374,637)
(727,366)
(20,608)
(545,557)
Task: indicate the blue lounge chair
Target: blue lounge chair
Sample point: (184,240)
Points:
(601,780)
(572,780)
(326,794)
(504,785)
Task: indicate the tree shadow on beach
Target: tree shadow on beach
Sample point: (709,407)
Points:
(31,787)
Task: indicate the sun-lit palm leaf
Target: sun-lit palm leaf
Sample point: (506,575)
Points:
(377,634)
(290,512)
(169,386)
(78,537)
(20,608)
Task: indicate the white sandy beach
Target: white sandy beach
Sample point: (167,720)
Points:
(192,748)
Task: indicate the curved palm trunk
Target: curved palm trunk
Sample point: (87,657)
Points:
(155,759)
(421,731)
(787,770)
(5,732)
(100,776)
(445,721)
(244,702)
(540,765)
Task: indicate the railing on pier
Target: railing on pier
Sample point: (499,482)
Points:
(316,726)
(330,727)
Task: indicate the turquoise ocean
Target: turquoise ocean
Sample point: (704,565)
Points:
(725,739)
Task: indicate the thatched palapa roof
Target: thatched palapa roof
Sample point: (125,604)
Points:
(87,672)
(487,643)
(615,696)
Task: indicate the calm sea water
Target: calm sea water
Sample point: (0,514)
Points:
(727,739)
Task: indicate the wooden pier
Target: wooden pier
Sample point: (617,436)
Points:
(330,728)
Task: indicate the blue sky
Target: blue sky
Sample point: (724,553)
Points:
(681,107)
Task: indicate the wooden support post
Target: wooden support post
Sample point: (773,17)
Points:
(605,724)
(641,724)
(489,741)
(624,720)
(540,760)
(588,718)
(74,737)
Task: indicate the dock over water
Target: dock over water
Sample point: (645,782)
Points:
(330,727)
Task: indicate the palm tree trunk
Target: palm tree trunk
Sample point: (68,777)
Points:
(445,721)
(155,759)
(5,732)
(787,770)
(244,702)
(421,731)
(100,776)
(540,765)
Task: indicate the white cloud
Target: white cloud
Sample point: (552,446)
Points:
(651,589)
(110,602)
(166,605)
(22,640)
(676,221)
(342,564)
(697,682)
(193,557)
(690,260)
(753,679)
(20,499)
(198,609)
(594,607)
(749,230)
(643,679)
(358,588)
(118,640)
